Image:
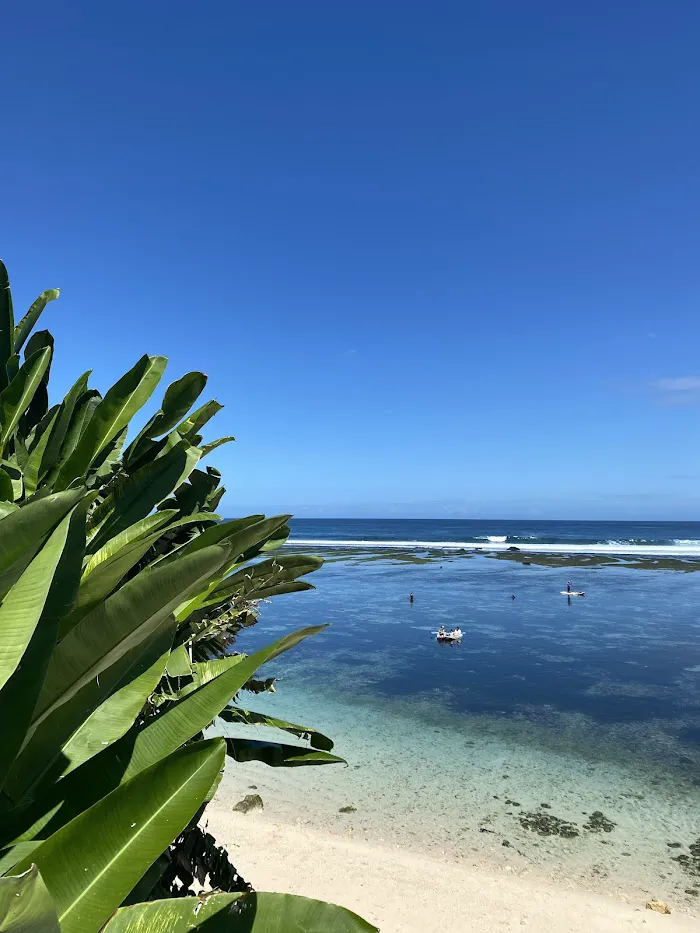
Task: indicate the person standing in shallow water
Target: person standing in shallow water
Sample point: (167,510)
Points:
(410,598)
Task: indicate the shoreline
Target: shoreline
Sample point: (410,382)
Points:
(377,803)
(405,892)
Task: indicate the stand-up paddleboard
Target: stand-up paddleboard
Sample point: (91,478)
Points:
(571,593)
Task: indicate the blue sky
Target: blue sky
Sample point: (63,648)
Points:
(436,258)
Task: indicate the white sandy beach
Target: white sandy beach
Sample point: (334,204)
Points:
(402,892)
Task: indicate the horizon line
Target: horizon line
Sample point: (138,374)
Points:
(387,518)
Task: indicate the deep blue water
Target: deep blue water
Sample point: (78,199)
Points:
(546,532)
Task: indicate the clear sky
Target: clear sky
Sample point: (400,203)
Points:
(438,259)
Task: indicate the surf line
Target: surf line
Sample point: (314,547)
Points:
(642,550)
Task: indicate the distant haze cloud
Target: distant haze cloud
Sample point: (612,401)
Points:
(680,384)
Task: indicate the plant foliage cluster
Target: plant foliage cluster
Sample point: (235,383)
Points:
(121,594)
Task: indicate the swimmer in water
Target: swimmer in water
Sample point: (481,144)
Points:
(410,597)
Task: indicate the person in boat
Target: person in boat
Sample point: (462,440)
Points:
(442,632)
(456,633)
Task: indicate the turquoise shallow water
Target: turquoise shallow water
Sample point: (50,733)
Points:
(587,707)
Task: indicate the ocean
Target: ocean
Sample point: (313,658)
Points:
(679,538)
(562,736)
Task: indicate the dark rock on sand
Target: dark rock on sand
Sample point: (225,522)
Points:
(249,802)
(348,809)
(690,863)
(546,824)
(599,823)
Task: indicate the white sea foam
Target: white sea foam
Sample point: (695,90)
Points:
(497,539)
(689,549)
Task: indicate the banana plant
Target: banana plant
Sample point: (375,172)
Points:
(121,595)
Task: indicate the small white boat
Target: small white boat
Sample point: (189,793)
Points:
(456,635)
(572,593)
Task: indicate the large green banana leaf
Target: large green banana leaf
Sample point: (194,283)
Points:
(177,401)
(23,531)
(24,328)
(241,538)
(238,913)
(60,429)
(279,589)
(33,468)
(188,716)
(277,754)
(92,863)
(135,532)
(105,577)
(236,715)
(258,581)
(19,696)
(123,620)
(179,662)
(235,532)
(113,718)
(85,408)
(7,489)
(275,543)
(7,324)
(280,569)
(202,672)
(112,415)
(116,548)
(13,855)
(34,433)
(26,905)
(141,747)
(196,421)
(100,578)
(39,404)
(22,607)
(142,492)
(44,758)
(213,445)
(15,398)
(194,712)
